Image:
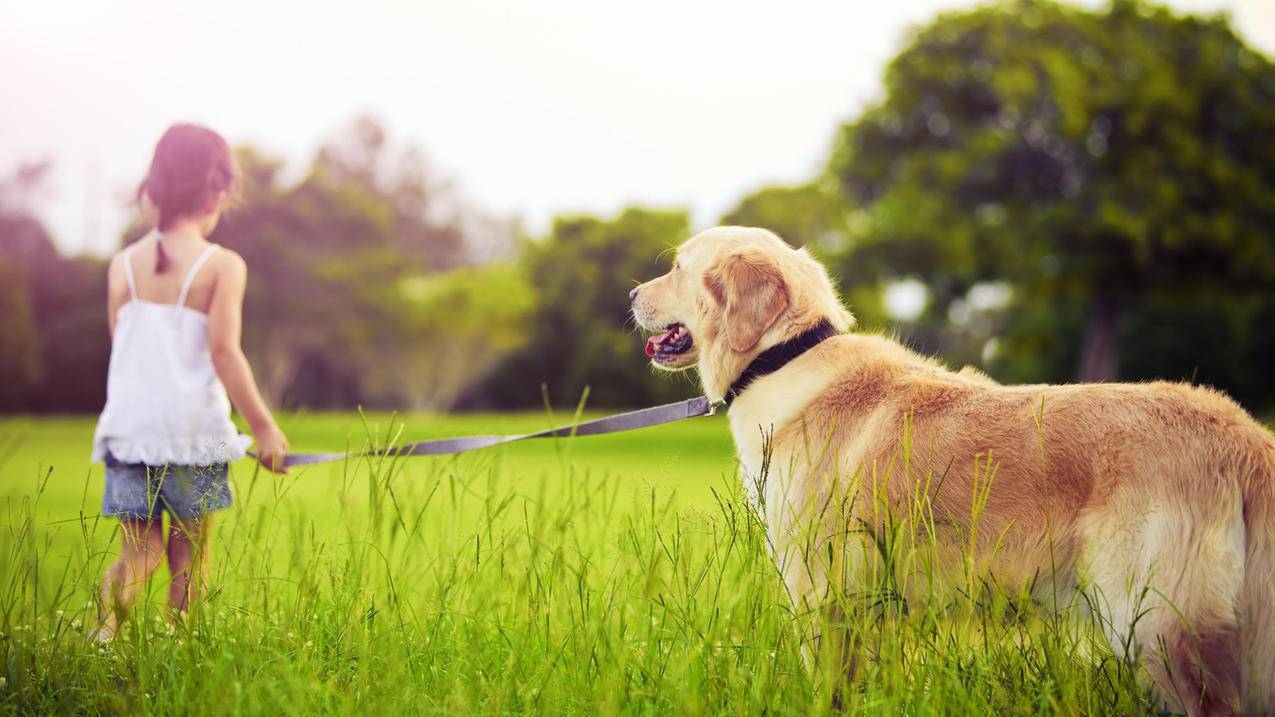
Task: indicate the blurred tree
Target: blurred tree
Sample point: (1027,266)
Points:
(333,315)
(1236,330)
(52,310)
(25,239)
(345,305)
(75,343)
(455,328)
(322,266)
(1104,155)
(433,222)
(812,215)
(19,341)
(582,273)
(25,248)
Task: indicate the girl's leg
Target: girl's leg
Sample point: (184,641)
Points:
(141,552)
(188,548)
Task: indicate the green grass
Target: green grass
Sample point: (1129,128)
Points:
(620,574)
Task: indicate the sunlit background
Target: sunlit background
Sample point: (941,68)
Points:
(532,108)
(499,118)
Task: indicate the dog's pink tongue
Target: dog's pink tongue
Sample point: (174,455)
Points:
(655,341)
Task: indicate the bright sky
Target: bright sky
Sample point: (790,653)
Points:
(533,108)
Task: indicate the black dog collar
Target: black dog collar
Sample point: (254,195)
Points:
(778,356)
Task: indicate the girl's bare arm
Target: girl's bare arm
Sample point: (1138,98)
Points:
(225,331)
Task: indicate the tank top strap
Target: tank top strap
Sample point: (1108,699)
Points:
(128,272)
(190,274)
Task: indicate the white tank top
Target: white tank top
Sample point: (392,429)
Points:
(164,402)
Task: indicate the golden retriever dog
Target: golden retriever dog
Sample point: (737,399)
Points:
(1156,501)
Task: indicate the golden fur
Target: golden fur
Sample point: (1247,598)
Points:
(1111,489)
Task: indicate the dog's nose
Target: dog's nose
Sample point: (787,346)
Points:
(633,295)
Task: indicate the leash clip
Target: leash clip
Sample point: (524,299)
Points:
(714,405)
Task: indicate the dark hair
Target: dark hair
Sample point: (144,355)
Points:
(191,167)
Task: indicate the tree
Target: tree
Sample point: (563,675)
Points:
(578,338)
(345,306)
(812,215)
(55,347)
(433,222)
(25,248)
(75,342)
(455,329)
(1106,156)
(19,341)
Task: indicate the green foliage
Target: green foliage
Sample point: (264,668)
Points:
(55,348)
(363,157)
(26,254)
(75,344)
(1040,340)
(331,316)
(1110,154)
(453,329)
(577,338)
(19,339)
(812,215)
(1163,339)
(322,277)
(492,301)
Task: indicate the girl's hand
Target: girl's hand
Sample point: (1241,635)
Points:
(272,449)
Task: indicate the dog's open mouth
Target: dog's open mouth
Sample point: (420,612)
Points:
(675,341)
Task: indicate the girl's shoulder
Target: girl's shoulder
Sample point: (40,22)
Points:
(226,270)
(227,261)
(115,269)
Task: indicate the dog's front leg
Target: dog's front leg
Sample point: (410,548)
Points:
(822,582)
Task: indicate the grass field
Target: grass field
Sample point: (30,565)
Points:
(620,574)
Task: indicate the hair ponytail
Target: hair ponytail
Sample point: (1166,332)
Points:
(161,257)
(192,168)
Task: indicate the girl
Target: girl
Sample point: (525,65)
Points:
(175,304)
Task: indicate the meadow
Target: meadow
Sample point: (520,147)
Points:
(615,575)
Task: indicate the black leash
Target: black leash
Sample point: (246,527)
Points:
(643,418)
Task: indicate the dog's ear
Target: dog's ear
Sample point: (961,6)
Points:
(751,291)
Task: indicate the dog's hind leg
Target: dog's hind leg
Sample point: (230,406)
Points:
(1165,581)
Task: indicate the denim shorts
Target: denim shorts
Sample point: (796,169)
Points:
(141,492)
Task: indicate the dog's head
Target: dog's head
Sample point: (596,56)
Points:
(733,292)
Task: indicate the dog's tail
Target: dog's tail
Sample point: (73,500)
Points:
(1257,622)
